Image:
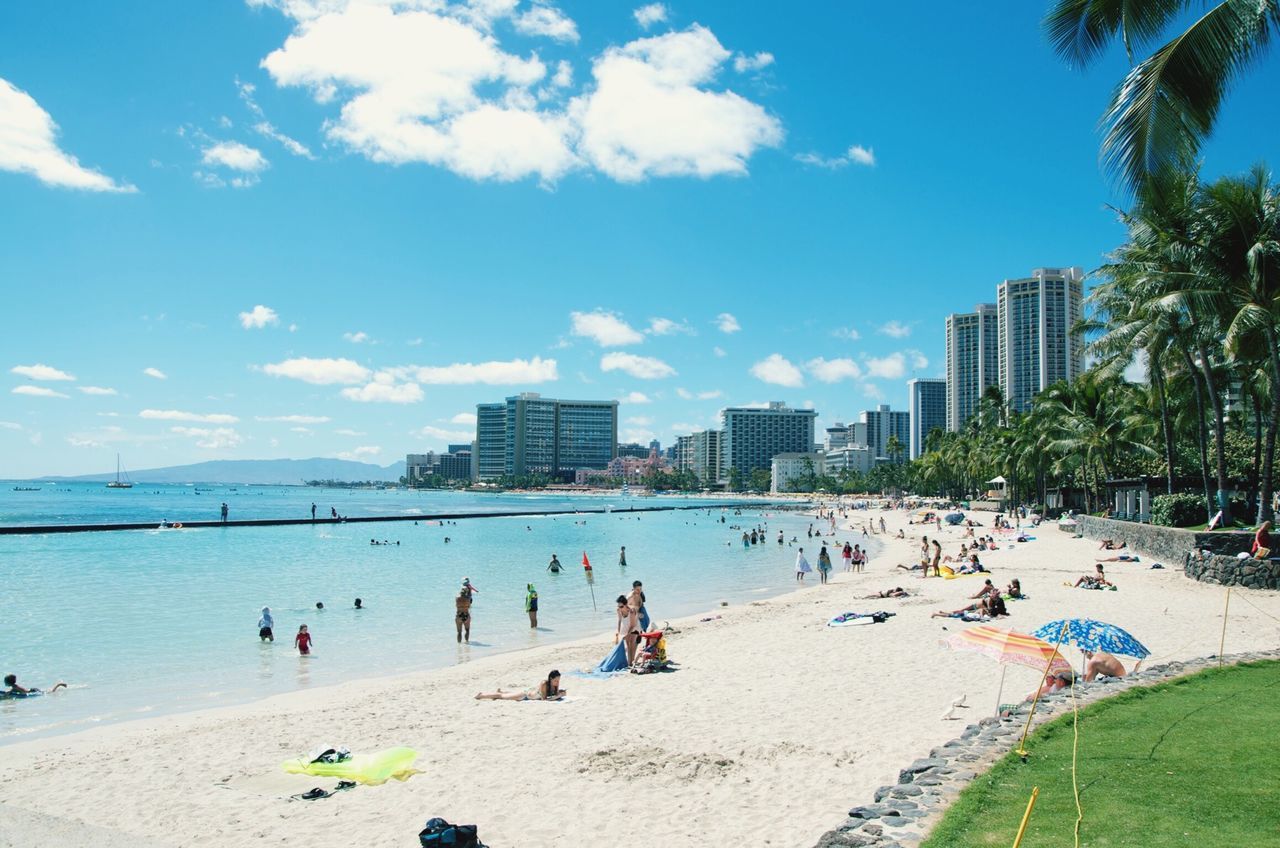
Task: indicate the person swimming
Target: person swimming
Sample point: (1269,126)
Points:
(12,689)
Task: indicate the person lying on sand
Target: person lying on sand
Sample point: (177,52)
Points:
(1110,545)
(972,612)
(909,567)
(895,592)
(548,690)
(1121,558)
(1101,664)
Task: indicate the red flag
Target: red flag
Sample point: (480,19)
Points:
(586,563)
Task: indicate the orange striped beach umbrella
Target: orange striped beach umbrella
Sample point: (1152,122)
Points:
(1009,646)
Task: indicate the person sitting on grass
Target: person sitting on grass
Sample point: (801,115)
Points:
(548,690)
(1101,664)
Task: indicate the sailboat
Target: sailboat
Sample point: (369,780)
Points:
(117,483)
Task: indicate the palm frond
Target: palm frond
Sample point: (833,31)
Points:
(1080,30)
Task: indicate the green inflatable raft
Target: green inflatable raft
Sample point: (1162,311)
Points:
(369,769)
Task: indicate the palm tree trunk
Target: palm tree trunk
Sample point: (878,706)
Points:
(1255,468)
(1201,432)
(1166,425)
(1219,442)
(1265,510)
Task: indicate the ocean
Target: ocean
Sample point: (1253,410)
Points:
(149,622)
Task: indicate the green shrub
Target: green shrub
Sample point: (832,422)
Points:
(1181,510)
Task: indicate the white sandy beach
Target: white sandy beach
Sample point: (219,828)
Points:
(772,728)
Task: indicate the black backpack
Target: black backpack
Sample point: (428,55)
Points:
(439,832)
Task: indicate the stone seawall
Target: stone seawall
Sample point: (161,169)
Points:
(1232,571)
(1169,545)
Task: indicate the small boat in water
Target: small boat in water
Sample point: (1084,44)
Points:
(117,483)
(26,488)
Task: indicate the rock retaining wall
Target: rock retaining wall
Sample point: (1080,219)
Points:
(1232,571)
(1169,545)
(901,815)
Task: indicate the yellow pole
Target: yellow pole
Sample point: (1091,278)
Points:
(1026,817)
(1223,644)
(1022,743)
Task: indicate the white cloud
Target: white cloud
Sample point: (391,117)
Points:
(293,328)
(546,21)
(37,391)
(847,333)
(742,63)
(297,148)
(895,329)
(499,373)
(872,391)
(463,418)
(648,15)
(361,453)
(9,425)
(918,360)
(155,373)
(384,389)
(97,390)
(650,113)
(635,397)
(443,435)
(348,432)
(40,372)
(719,351)
(777,370)
(234,156)
(258,317)
(294,419)
(891,367)
(726,323)
(637,435)
(28,145)
(855,155)
(212,438)
(640,367)
(667,327)
(704,395)
(300,430)
(319,372)
(179,415)
(833,370)
(357,337)
(684,428)
(606,329)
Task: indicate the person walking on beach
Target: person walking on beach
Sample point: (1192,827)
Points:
(462,614)
(859,558)
(531,604)
(264,626)
(882,524)
(224,513)
(847,556)
(802,565)
(622,557)
(313,512)
(302,641)
(824,564)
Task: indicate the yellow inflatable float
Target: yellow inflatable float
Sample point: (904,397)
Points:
(369,769)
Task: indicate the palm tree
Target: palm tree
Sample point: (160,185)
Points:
(1167,104)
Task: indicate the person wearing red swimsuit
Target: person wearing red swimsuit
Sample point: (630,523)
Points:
(302,641)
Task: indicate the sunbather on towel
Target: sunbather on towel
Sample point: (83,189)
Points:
(1122,558)
(973,612)
(1094,581)
(895,592)
(548,690)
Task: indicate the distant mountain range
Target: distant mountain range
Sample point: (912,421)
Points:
(260,471)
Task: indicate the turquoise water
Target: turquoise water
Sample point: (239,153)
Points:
(158,621)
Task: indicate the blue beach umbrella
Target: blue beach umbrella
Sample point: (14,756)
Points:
(1089,635)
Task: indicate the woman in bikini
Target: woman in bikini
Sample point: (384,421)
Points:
(462,613)
(548,690)
(628,628)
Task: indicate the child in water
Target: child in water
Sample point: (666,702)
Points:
(302,641)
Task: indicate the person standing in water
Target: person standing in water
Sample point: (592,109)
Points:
(531,604)
(224,513)
(313,512)
(303,641)
(264,626)
(622,557)
(554,566)
(824,564)
(802,565)
(462,614)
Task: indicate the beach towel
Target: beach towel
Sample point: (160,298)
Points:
(617,659)
(848,619)
(370,769)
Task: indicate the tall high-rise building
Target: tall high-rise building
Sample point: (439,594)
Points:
(530,434)
(1037,347)
(927,410)
(881,424)
(705,461)
(490,455)
(973,361)
(753,437)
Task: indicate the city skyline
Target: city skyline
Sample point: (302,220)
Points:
(216,254)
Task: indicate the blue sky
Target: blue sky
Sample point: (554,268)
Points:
(335,226)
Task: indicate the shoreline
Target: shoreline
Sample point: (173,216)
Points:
(774,719)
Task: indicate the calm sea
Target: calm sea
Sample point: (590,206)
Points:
(157,621)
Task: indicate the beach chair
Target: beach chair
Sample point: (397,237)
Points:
(652,653)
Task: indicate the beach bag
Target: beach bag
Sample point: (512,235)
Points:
(439,832)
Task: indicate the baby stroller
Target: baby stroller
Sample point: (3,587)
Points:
(652,654)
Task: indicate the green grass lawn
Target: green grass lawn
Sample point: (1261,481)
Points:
(1192,762)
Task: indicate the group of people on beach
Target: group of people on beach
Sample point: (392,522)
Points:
(853,556)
